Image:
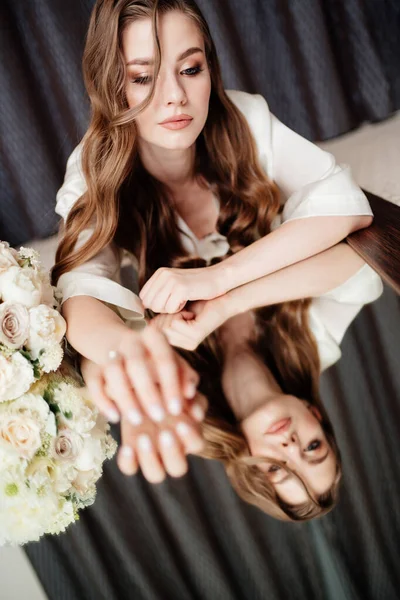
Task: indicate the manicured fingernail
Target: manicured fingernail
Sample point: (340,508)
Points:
(134,416)
(191,390)
(112,415)
(126,452)
(175,406)
(182,428)
(197,412)
(144,442)
(156,412)
(166,438)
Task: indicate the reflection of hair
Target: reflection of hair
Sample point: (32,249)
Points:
(125,204)
(283,341)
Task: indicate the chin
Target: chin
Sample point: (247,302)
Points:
(179,143)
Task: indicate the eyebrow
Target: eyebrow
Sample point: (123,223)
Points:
(150,61)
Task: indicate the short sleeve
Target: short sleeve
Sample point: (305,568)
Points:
(312,184)
(331,313)
(99,277)
(310,181)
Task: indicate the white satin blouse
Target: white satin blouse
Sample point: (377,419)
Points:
(311,184)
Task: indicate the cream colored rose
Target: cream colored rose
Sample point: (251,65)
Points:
(8,257)
(67,446)
(47,328)
(14,325)
(16,376)
(22,286)
(20,434)
(85,481)
(33,406)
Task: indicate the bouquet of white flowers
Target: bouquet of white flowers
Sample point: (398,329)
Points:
(53,441)
(31,329)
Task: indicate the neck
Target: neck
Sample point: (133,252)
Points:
(174,168)
(246,381)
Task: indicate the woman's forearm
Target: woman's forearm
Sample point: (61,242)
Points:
(309,278)
(290,243)
(93,329)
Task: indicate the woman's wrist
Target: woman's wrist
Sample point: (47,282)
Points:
(222,277)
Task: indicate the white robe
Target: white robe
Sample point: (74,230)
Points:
(311,184)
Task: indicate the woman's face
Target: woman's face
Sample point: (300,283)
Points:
(289,430)
(183,86)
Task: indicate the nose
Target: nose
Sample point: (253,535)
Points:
(289,440)
(172,90)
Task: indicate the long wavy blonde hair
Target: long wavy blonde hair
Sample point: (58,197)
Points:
(227,158)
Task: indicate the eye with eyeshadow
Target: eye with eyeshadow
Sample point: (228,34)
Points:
(275,473)
(145,79)
(273,468)
(314,445)
(141,80)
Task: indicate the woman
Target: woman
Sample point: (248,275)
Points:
(173,167)
(279,450)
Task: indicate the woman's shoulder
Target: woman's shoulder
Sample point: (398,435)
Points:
(74,185)
(253,106)
(255,109)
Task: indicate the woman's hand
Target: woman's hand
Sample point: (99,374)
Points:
(161,449)
(168,290)
(146,378)
(189,328)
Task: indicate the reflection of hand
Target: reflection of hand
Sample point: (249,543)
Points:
(189,328)
(146,378)
(161,449)
(168,290)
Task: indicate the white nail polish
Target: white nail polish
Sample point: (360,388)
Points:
(191,390)
(134,416)
(144,442)
(126,452)
(166,438)
(182,428)
(197,412)
(175,406)
(112,415)
(156,412)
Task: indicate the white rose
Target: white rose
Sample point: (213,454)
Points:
(47,328)
(35,407)
(8,257)
(20,434)
(91,456)
(14,325)
(16,376)
(31,405)
(44,473)
(22,286)
(67,446)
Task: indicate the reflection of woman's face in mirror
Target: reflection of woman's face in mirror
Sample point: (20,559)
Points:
(288,430)
(298,470)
